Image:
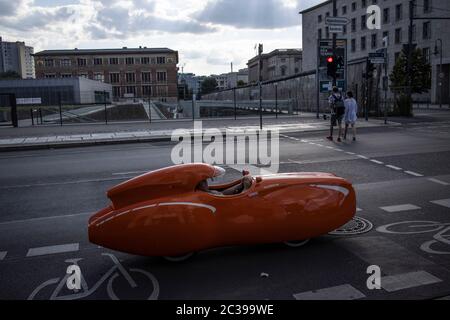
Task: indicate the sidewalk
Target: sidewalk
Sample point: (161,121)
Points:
(42,137)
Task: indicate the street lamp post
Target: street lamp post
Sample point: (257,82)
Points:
(276,100)
(436,52)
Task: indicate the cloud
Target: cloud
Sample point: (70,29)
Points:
(252,14)
(37,18)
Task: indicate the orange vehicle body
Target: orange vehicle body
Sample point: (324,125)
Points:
(162,214)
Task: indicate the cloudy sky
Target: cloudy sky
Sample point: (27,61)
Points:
(209,34)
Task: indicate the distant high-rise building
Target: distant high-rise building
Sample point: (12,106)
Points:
(17,57)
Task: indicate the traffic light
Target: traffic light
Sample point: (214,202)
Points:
(370,69)
(340,62)
(331,67)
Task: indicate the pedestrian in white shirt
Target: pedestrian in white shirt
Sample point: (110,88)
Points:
(350,116)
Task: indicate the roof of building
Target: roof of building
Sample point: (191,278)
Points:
(277,52)
(316,6)
(124,50)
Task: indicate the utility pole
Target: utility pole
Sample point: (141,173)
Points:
(410,46)
(335,12)
(260,51)
(439,81)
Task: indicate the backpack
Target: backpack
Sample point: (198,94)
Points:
(338,102)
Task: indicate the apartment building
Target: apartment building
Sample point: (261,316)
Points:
(394,26)
(133,72)
(279,63)
(17,57)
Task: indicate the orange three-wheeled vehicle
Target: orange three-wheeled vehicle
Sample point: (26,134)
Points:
(172,212)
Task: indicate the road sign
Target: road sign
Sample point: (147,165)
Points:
(377,60)
(336,29)
(374,55)
(24,101)
(336,21)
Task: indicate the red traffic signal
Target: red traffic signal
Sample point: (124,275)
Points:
(330,59)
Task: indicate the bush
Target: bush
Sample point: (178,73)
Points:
(403,106)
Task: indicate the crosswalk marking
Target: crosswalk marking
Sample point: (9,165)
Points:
(415,174)
(408,280)
(362,157)
(343,292)
(439,181)
(377,162)
(400,208)
(394,167)
(73,247)
(444,202)
(3,255)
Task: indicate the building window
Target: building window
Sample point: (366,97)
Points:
(49,76)
(414,33)
(130,90)
(83,75)
(114,77)
(129,61)
(146,91)
(386,15)
(426,30)
(327,14)
(145,60)
(344,28)
(374,41)
(426,6)
(81,62)
(363,43)
(283,71)
(399,12)
(131,77)
(113,60)
(161,76)
(353,45)
(386,38)
(66,75)
(49,62)
(397,55)
(116,92)
(161,60)
(426,54)
(354,25)
(353,6)
(320,33)
(98,61)
(363,22)
(364,3)
(398,36)
(99,77)
(344,9)
(66,62)
(327,33)
(319,18)
(146,77)
(375,1)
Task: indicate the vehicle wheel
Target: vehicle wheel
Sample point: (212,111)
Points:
(179,258)
(296,244)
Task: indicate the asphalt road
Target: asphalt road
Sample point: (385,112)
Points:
(401,174)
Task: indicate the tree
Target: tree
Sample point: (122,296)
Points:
(209,85)
(241,83)
(421,73)
(9,75)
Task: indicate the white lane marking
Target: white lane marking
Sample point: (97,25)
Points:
(362,157)
(328,147)
(408,280)
(394,167)
(344,292)
(415,174)
(381,251)
(339,150)
(45,218)
(351,153)
(42,251)
(359,209)
(444,203)
(439,181)
(377,162)
(400,208)
(3,255)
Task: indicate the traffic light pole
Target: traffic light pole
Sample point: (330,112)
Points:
(334,40)
(410,44)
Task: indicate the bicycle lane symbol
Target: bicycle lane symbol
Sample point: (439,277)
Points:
(441,230)
(112,274)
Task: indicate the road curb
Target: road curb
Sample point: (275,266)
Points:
(78,144)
